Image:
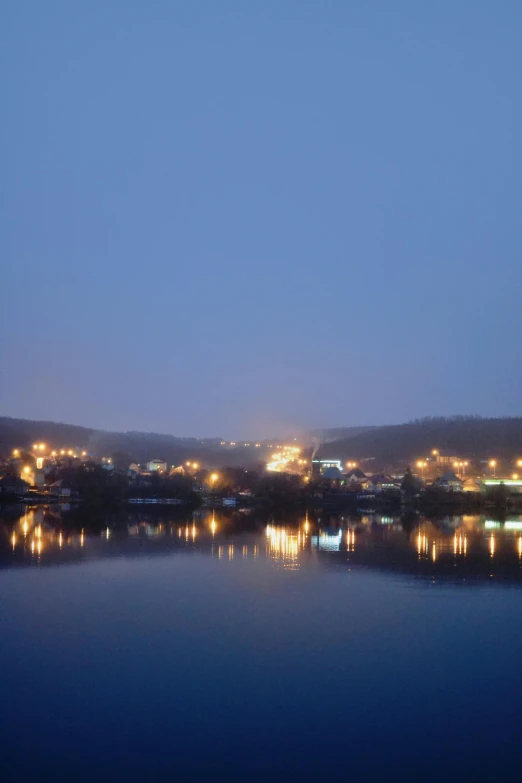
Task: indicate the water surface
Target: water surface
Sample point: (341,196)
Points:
(228,648)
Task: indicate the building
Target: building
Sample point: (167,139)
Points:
(449,482)
(355,476)
(39,479)
(58,490)
(156,465)
(379,482)
(512,485)
(471,485)
(332,477)
(319,466)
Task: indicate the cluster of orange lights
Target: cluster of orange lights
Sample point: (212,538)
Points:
(41,447)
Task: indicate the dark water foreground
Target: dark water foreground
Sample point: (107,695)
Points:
(232,648)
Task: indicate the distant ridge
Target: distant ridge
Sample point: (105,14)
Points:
(473,436)
(135,446)
(336,433)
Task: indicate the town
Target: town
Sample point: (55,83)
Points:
(290,473)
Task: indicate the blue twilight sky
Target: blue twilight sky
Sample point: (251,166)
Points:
(235,217)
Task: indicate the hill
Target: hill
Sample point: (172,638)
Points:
(475,437)
(337,433)
(130,446)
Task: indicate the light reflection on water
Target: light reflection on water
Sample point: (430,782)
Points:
(466,546)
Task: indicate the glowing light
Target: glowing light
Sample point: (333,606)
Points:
(35,446)
(214,477)
(13,540)
(84,453)
(195,465)
(492,545)
(27,469)
(62,451)
(60,540)
(53,453)
(16,452)
(514,476)
(285,459)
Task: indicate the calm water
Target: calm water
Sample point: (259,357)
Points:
(236,648)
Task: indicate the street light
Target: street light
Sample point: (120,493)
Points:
(421,464)
(16,452)
(493,465)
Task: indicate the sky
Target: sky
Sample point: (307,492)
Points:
(242,218)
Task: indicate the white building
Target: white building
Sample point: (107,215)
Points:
(156,465)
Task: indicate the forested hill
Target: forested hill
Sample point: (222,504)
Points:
(337,433)
(130,446)
(476,437)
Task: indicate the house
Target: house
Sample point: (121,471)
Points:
(332,477)
(355,476)
(58,490)
(378,483)
(13,485)
(156,465)
(471,485)
(449,482)
(319,466)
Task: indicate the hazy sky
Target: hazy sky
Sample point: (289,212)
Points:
(219,218)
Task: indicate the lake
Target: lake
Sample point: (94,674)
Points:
(242,646)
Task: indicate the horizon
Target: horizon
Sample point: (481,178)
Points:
(274,436)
